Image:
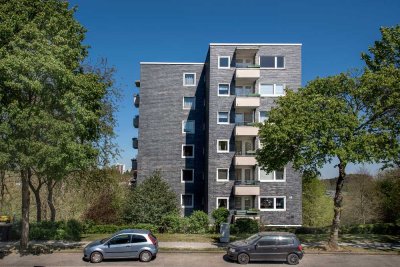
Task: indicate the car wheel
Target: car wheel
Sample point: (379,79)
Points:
(293,259)
(243,258)
(145,256)
(96,257)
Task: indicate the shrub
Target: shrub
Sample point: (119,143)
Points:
(220,215)
(198,222)
(47,230)
(112,228)
(172,223)
(246,225)
(73,230)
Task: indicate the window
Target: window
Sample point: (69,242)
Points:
(189,102)
(224,62)
(187,201)
(138,239)
(188,127)
(187,151)
(267,241)
(223,117)
(223,202)
(272,62)
(187,175)
(121,239)
(263,116)
(275,176)
(189,79)
(222,146)
(272,89)
(272,203)
(222,175)
(223,89)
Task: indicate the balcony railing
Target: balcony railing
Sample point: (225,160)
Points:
(250,153)
(247,182)
(247,65)
(246,123)
(249,212)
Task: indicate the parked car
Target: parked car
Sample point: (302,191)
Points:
(130,243)
(267,246)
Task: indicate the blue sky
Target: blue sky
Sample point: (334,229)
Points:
(333,34)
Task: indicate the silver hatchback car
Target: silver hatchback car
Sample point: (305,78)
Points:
(130,243)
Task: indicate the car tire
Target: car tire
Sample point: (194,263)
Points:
(96,257)
(145,256)
(243,258)
(293,259)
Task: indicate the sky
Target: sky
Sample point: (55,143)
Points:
(126,32)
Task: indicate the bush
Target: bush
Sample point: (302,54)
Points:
(378,229)
(198,222)
(246,226)
(73,230)
(173,223)
(112,228)
(220,215)
(47,230)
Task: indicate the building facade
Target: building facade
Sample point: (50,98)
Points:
(197,127)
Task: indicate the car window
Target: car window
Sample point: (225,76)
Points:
(138,239)
(285,240)
(120,239)
(267,241)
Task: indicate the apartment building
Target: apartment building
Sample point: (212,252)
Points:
(197,127)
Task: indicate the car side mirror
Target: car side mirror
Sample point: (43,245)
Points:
(108,244)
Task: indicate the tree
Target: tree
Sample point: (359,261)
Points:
(317,206)
(325,121)
(50,107)
(149,201)
(389,195)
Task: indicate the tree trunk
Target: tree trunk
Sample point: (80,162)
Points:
(25,178)
(50,187)
(334,234)
(2,187)
(36,192)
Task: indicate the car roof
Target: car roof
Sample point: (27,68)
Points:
(276,234)
(133,231)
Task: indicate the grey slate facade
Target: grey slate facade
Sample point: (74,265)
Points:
(275,202)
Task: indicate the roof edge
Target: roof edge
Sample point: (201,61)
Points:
(171,63)
(239,44)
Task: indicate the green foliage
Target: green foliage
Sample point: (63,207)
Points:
(46,230)
(378,228)
(245,226)
(173,223)
(388,184)
(149,201)
(317,206)
(198,222)
(220,215)
(112,228)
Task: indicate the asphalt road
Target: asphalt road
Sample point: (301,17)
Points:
(199,259)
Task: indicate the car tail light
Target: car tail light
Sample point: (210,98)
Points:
(153,239)
(300,248)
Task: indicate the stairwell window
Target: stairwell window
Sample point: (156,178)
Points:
(189,79)
(272,62)
(188,127)
(224,62)
(223,89)
(223,117)
(272,203)
(187,200)
(187,151)
(189,102)
(187,176)
(223,146)
(223,202)
(222,174)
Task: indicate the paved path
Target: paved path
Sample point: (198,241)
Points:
(200,260)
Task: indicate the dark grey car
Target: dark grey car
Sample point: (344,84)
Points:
(130,243)
(267,246)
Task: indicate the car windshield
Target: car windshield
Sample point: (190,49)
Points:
(105,239)
(251,239)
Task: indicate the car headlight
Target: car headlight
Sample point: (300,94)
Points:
(232,250)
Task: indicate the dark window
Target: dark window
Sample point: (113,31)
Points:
(187,200)
(187,151)
(280,203)
(138,239)
(280,62)
(121,239)
(267,62)
(285,240)
(266,203)
(267,241)
(224,62)
(187,175)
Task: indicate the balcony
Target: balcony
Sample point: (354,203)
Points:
(247,102)
(136,100)
(247,188)
(242,130)
(134,164)
(245,160)
(250,74)
(136,121)
(135,143)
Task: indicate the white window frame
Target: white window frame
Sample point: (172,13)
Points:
(274,176)
(259,115)
(193,106)
(229,62)
(227,202)
(187,182)
(275,62)
(274,88)
(274,197)
(219,180)
(184,79)
(192,201)
(222,151)
(183,156)
(183,127)
(229,89)
(229,115)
